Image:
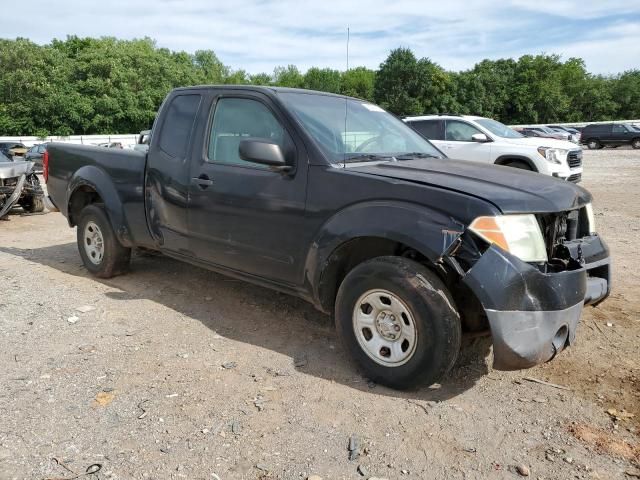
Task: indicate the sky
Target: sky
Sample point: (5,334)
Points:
(258,35)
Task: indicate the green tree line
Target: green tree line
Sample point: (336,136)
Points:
(106,85)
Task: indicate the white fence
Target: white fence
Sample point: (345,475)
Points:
(578,124)
(127,140)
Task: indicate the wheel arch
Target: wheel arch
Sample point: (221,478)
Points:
(364,231)
(505,159)
(90,185)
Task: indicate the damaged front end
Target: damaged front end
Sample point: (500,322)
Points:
(17,182)
(533,308)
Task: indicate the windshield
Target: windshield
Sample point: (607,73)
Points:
(348,129)
(497,128)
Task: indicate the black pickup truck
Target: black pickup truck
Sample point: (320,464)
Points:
(336,201)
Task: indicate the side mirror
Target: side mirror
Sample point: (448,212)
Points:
(480,138)
(264,152)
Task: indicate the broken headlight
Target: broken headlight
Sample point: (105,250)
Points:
(519,235)
(591,219)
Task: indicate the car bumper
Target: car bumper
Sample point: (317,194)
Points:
(534,315)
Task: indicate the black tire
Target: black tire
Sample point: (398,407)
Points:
(115,258)
(518,164)
(435,319)
(33,204)
(635,143)
(593,144)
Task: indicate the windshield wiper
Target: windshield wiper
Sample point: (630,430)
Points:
(368,157)
(411,155)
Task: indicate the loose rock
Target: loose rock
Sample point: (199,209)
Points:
(523,470)
(354,447)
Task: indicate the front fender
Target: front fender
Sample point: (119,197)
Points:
(425,230)
(98,180)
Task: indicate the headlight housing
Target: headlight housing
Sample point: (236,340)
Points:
(519,235)
(554,155)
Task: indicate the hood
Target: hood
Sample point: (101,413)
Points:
(15,169)
(541,142)
(510,189)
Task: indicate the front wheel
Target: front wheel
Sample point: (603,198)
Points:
(101,252)
(635,143)
(33,204)
(398,321)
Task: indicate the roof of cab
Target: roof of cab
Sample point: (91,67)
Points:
(264,89)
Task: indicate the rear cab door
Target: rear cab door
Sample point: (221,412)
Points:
(167,172)
(245,216)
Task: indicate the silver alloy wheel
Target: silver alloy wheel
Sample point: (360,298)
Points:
(593,145)
(385,328)
(93,243)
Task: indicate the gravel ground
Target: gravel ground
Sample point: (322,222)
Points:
(172,371)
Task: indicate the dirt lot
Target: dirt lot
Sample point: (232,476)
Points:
(176,372)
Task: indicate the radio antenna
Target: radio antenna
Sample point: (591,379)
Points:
(344,136)
(347,49)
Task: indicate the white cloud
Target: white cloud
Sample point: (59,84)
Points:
(258,34)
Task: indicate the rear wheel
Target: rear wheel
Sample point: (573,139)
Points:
(593,144)
(101,252)
(398,321)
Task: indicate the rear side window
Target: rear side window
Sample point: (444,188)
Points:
(178,123)
(237,119)
(429,129)
(598,129)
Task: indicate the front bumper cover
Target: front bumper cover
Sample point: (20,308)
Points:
(534,315)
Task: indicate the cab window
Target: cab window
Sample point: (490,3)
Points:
(178,124)
(237,119)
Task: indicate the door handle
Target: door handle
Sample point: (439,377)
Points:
(203,181)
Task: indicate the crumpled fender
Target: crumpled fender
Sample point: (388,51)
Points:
(101,182)
(428,231)
(14,197)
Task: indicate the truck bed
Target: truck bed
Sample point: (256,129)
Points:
(116,174)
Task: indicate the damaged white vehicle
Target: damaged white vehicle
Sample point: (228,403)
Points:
(19,185)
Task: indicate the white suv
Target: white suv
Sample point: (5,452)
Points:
(479,139)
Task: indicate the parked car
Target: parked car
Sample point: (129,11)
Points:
(34,154)
(530,132)
(19,185)
(142,143)
(599,135)
(485,140)
(13,149)
(574,135)
(336,201)
(111,145)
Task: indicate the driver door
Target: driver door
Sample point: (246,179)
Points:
(243,215)
(459,145)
